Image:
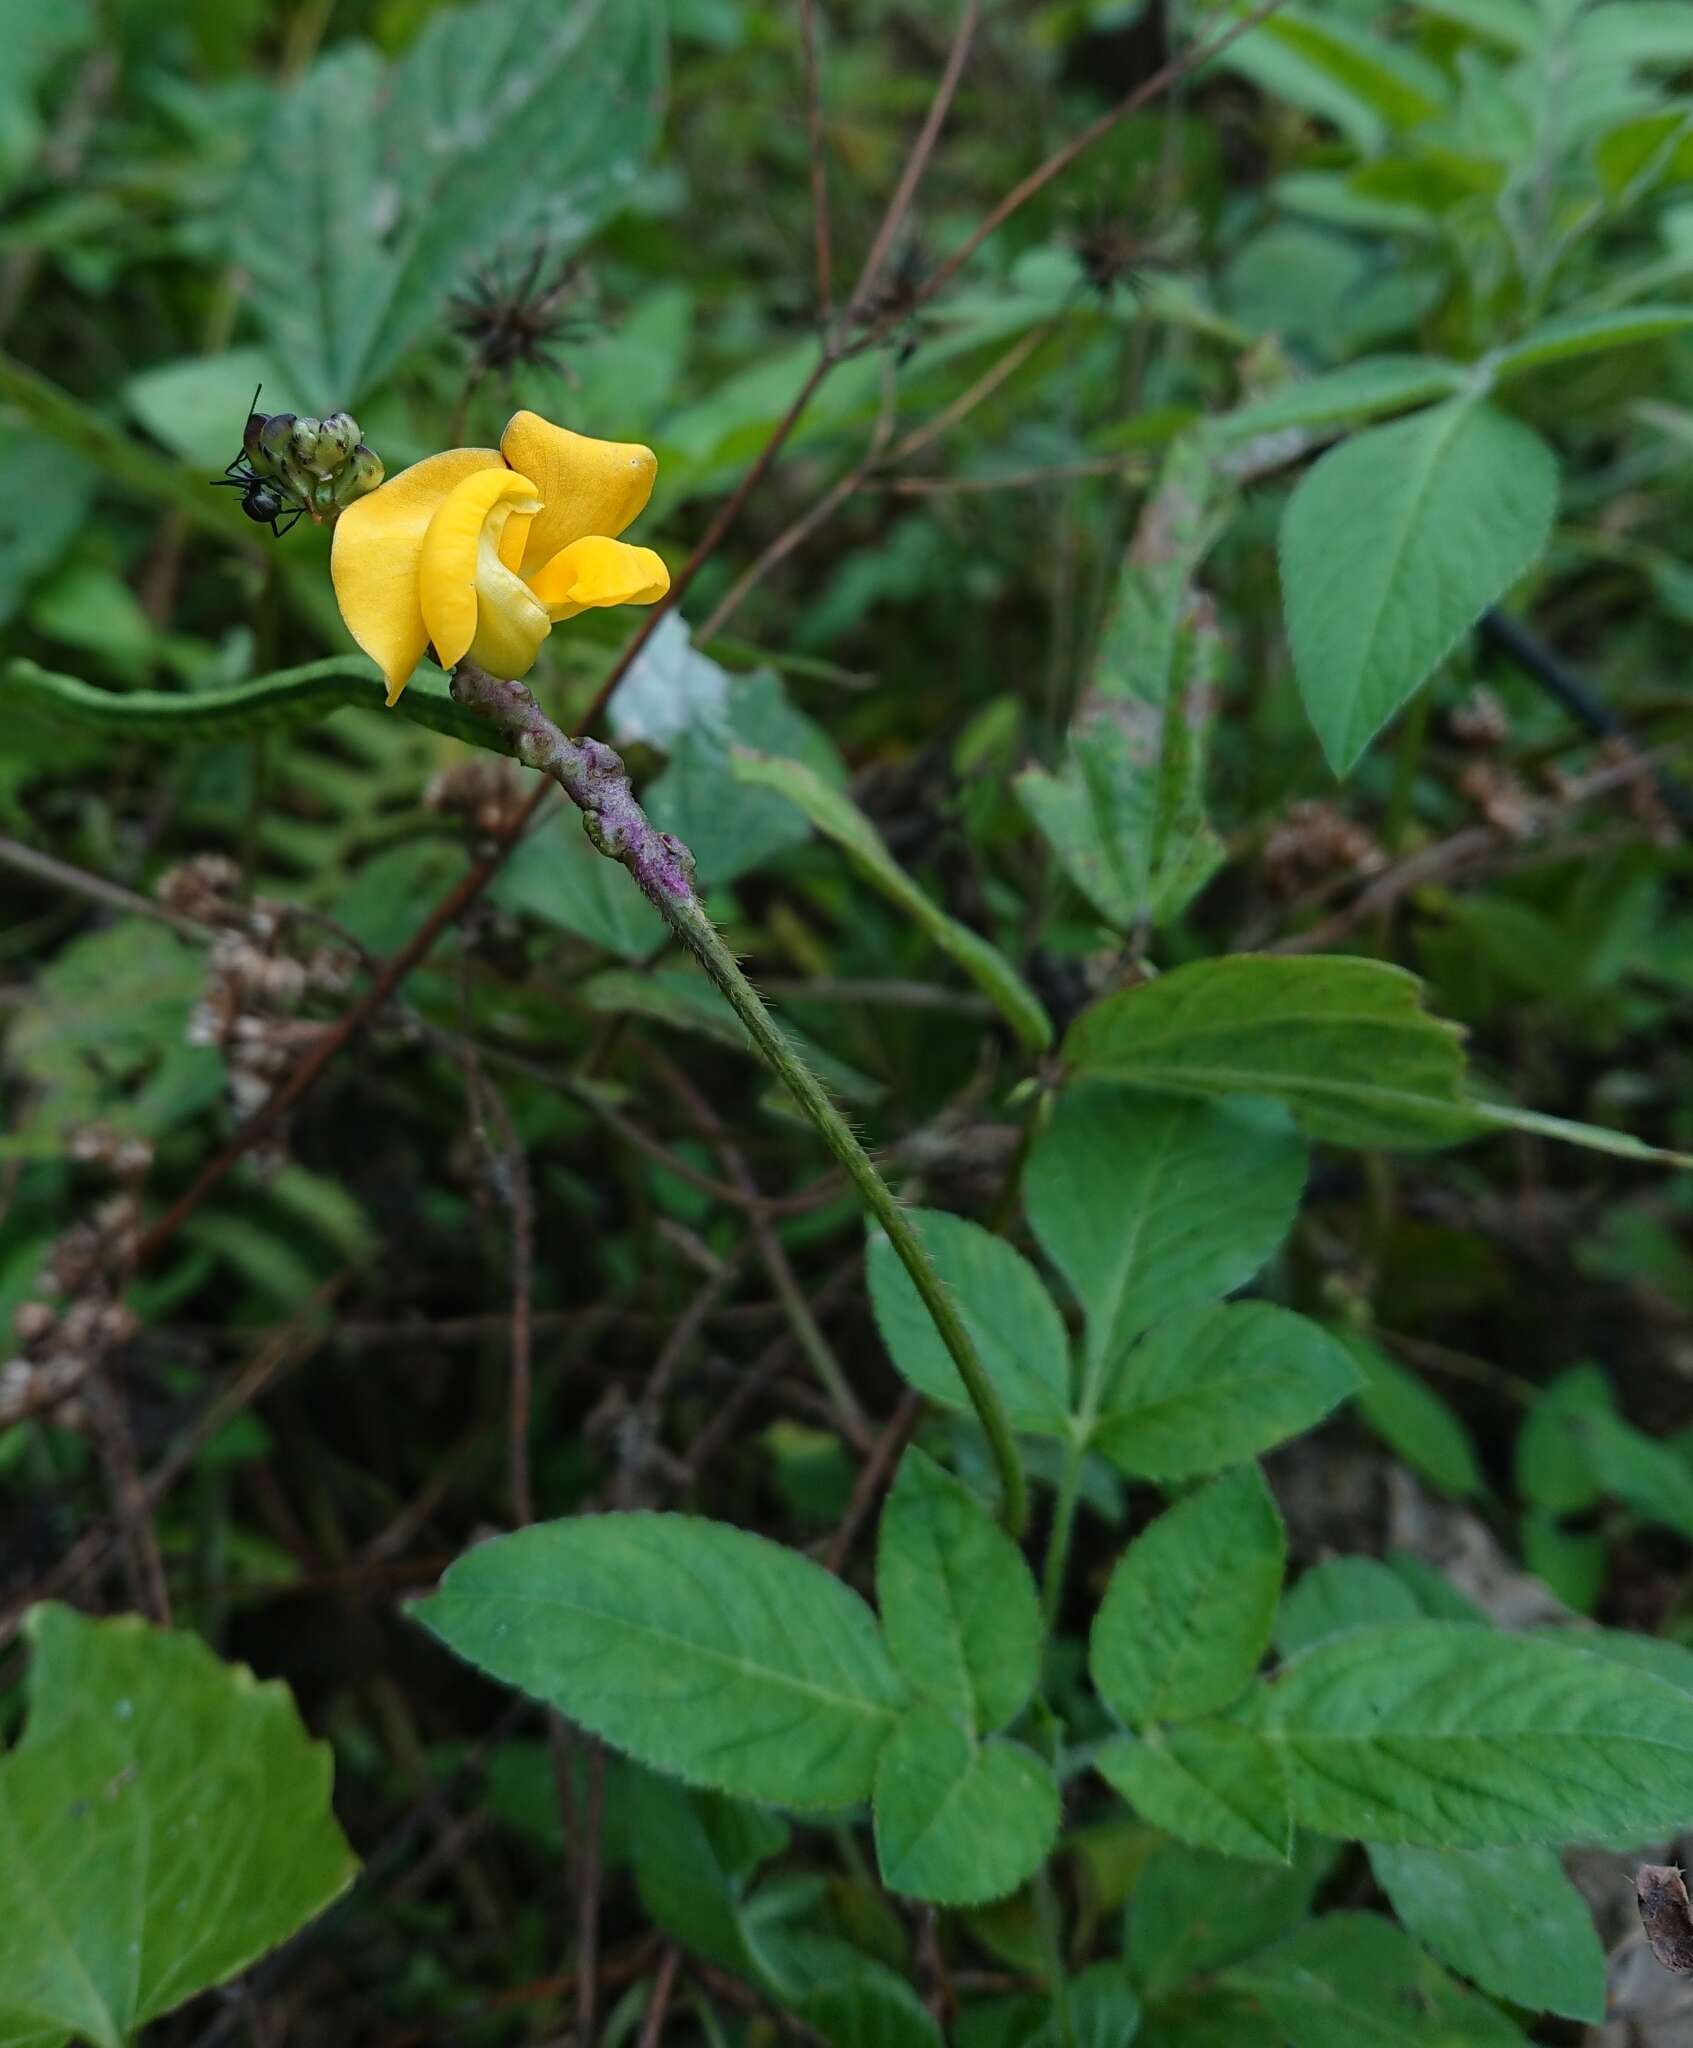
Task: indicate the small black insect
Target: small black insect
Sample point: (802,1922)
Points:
(265,498)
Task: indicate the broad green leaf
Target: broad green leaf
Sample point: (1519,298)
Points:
(1634,32)
(727,828)
(1187,1614)
(838,818)
(1354,1980)
(164,1820)
(1413,1420)
(1194,1910)
(1345,1043)
(694,1853)
(1358,391)
(1340,70)
(1393,545)
(1553,1469)
(1585,334)
(958,1604)
(867,2006)
(1126,816)
(1508,1919)
(1644,151)
(1340,1593)
(1517,24)
(1672,1662)
(1214,1784)
(960,1822)
(38,35)
(1017,1331)
(556,875)
(1653,1480)
(198,405)
(1212,1386)
(374,188)
(699,1649)
(1147,1206)
(1446,1735)
(1104,2011)
(49,492)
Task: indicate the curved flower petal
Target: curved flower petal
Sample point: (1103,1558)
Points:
(593,572)
(378,542)
(586,486)
(472,602)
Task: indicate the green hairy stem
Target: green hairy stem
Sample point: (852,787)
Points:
(593,776)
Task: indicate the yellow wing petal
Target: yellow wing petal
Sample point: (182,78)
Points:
(374,559)
(585,486)
(595,571)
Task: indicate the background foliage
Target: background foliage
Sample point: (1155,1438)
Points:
(1185,733)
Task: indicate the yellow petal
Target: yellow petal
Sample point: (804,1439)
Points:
(472,602)
(586,486)
(595,572)
(378,542)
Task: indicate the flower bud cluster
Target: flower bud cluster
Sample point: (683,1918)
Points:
(60,1342)
(323,464)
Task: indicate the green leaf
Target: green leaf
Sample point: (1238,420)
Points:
(1353,1980)
(1338,1594)
(1340,70)
(1212,1386)
(960,1822)
(556,875)
(1358,391)
(38,35)
(48,493)
(1553,1469)
(1633,32)
(1411,1419)
(1192,1910)
(694,1852)
(1345,1043)
(164,1821)
(1212,1783)
(1585,334)
(1653,1480)
(1446,1735)
(698,1649)
(867,2006)
(838,818)
(1644,151)
(958,1603)
(1011,1319)
(375,187)
(1508,1919)
(1393,545)
(1147,1206)
(1187,1614)
(1104,2011)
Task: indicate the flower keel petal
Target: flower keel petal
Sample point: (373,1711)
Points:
(471,601)
(594,572)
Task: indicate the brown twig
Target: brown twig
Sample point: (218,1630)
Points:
(1014,480)
(823,254)
(1066,154)
(652,2023)
(893,220)
(872,1477)
(588,1874)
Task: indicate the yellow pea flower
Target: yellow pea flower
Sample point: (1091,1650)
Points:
(481,551)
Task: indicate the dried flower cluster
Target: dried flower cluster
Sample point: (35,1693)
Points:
(61,1341)
(482,789)
(258,977)
(1481,721)
(1313,843)
(1503,800)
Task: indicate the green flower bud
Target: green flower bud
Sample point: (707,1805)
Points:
(273,438)
(362,474)
(303,440)
(322,498)
(251,444)
(337,437)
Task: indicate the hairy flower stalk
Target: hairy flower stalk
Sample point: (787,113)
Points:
(594,778)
